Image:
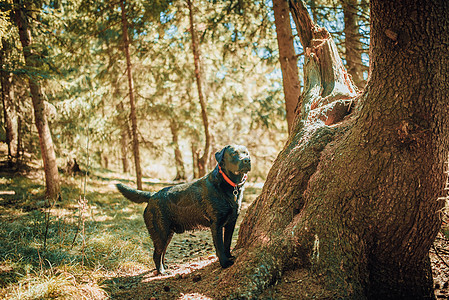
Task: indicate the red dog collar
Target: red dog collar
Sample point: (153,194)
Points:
(230,181)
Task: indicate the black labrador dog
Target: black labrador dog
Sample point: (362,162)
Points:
(212,201)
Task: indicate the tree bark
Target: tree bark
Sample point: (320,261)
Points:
(202,161)
(180,170)
(287,58)
(9,111)
(124,149)
(314,10)
(354,202)
(124,129)
(194,148)
(133,116)
(40,115)
(352,43)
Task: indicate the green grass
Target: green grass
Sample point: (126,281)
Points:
(113,237)
(76,262)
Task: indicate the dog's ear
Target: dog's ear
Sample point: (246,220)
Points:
(219,155)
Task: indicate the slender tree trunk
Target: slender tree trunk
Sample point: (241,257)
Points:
(180,170)
(352,203)
(202,161)
(124,149)
(131,97)
(40,116)
(195,160)
(19,136)
(352,42)
(9,111)
(313,9)
(287,58)
(124,141)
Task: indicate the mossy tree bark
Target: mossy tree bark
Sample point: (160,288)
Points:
(353,199)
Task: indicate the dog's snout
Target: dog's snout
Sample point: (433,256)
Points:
(246,161)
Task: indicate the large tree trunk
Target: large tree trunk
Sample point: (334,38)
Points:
(352,202)
(202,161)
(40,115)
(133,116)
(287,58)
(352,42)
(9,111)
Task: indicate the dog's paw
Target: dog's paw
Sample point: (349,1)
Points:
(162,272)
(226,264)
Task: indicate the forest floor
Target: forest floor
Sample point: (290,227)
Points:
(99,248)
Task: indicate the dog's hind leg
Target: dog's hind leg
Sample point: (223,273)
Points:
(160,233)
(165,249)
(160,246)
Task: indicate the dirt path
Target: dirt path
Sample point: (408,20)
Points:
(193,269)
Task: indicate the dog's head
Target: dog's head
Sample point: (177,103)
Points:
(234,161)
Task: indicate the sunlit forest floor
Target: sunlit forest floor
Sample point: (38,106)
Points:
(99,248)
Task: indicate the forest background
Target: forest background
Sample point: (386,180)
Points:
(115,90)
(82,68)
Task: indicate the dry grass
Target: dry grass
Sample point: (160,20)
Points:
(71,266)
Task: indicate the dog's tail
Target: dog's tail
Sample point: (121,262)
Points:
(134,195)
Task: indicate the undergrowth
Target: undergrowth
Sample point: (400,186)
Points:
(44,251)
(63,250)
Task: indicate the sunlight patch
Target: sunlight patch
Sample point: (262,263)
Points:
(133,217)
(132,268)
(184,269)
(194,296)
(103,218)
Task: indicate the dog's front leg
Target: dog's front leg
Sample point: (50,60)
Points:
(228,232)
(217,236)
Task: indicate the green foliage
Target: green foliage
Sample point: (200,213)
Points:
(81,66)
(94,84)
(4,22)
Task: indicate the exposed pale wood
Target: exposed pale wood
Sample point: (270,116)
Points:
(328,87)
